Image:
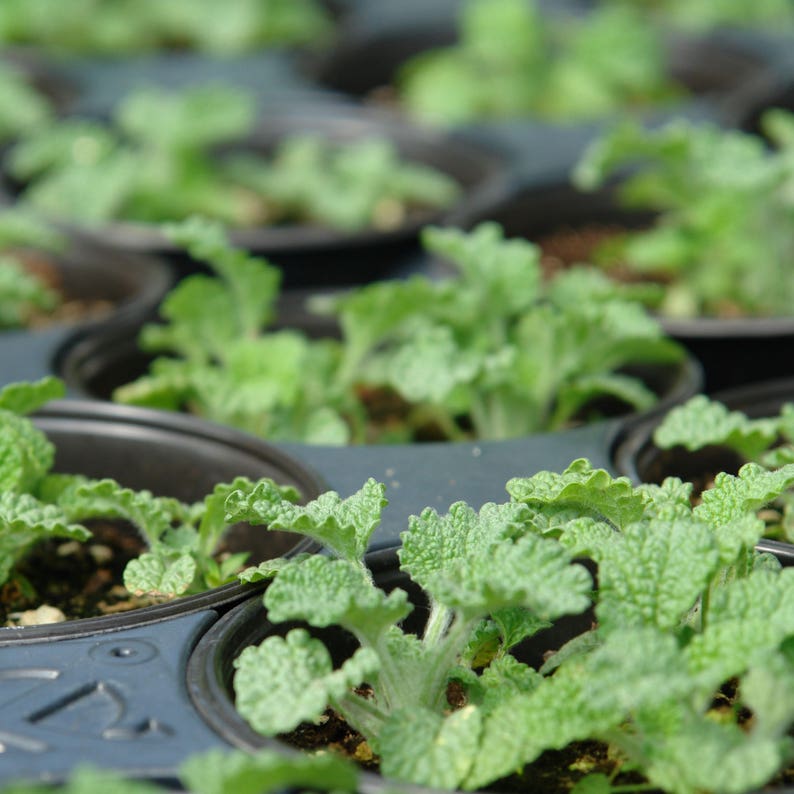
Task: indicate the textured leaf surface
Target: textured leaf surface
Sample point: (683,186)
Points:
(655,574)
(732,497)
(154,573)
(286,681)
(344,526)
(701,422)
(422,747)
(325,592)
(594,491)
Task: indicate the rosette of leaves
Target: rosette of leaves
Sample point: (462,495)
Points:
(36,504)
(132,26)
(513,60)
(766,443)
(23,294)
(491,352)
(722,239)
(686,678)
(133,170)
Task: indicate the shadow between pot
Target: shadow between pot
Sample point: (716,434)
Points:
(316,255)
(568,224)
(170,455)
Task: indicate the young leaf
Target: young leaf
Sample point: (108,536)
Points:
(160,572)
(593,491)
(286,681)
(701,422)
(325,592)
(344,526)
(25,397)
(422,747)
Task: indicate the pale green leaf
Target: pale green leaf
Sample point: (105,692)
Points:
(344,526)
(421,747)
(326,592)
(160,574)
(286,681)
(655,574)
(593,491)
(701,422)
(25,397)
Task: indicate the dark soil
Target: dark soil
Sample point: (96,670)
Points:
(80,579)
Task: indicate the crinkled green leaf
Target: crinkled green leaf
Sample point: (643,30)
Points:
(594,491)
(731,497)
(745,620)
(671,500)
(326,592)
(160,574)
(654,575)
(286,681)
(421,747)
(516,624)
(25,453)
(502,680)
(344,526)
(701,422)
(434,543)
(269,568)
(222,771)
(24,521)
(25,397)
(152,515)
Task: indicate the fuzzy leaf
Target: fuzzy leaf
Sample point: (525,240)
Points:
(434,543)
(267,569)
(421,747)
(161,574)
(221,771)
(25,521)
(286,681)
(702,422)
(732,497)
(746,619)
(324,592)
(152,515)
(25,453)
(594,491)
(344,526)
(655,574)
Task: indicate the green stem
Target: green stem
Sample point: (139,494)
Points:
(437,625)
(362,714)
(447,652)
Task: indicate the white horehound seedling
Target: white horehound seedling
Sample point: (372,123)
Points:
(683,606)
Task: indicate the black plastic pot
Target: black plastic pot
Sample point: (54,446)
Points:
(210,670)
(733,352)
(314,255)
(169,455)
(635,455)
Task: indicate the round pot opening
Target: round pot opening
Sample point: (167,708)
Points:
(169,455)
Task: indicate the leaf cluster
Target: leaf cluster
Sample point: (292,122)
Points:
(133,26)
(22,293)
(491,352)
(22,106)
(683,606)
(182,540)
(765,444)
(192,162)
(511,59)
(722,236)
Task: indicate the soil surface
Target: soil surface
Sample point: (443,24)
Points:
(80,580)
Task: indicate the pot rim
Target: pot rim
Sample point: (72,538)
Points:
(129,418)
